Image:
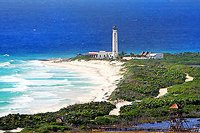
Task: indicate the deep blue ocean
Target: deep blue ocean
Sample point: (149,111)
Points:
(76,26)
(40,29)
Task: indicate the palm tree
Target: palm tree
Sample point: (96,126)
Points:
(122,54)
(132,54)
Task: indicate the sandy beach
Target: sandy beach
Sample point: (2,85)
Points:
(104,74)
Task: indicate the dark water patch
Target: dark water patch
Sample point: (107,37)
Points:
(165,125)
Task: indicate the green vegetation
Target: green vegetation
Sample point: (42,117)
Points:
(87,58)
(183,58)
(75,116)
(82,57)
(169,72)
(142,81)
(145,78)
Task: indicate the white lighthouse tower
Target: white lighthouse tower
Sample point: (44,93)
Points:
(114,42)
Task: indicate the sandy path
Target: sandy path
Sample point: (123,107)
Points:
(163,91)
(12,131)
(118,106)
(188,78)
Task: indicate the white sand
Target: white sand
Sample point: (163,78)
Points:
(188,78)
(16,130)
(12,131)
(163,91)
(104,74)
(118,106)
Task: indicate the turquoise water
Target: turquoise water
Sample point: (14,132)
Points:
(28,86)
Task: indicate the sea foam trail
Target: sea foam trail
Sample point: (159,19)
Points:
(20,83)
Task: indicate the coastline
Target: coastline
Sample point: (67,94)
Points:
(94,76)
(98,79)
(104,74)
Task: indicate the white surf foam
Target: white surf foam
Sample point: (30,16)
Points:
(37,74)
(5,64)
(43,87)
(20,104)
(34,103)
(43,95)
(6,55)
(23,99)
(49,82)
(20,83)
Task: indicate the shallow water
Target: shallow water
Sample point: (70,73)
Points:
(28,86)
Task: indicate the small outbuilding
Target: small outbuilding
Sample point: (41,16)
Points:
(155,55)
(100,55)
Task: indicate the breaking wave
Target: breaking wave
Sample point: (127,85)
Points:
(5,64)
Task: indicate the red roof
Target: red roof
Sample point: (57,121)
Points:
(174,106)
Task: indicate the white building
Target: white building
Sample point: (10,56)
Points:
(127,58)
(145,55)
(100,55)
(155,55)
(108,55)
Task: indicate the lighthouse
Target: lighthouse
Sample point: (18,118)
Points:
(114,42)
(111,54)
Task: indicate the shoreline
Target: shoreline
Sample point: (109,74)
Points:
(103,74)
